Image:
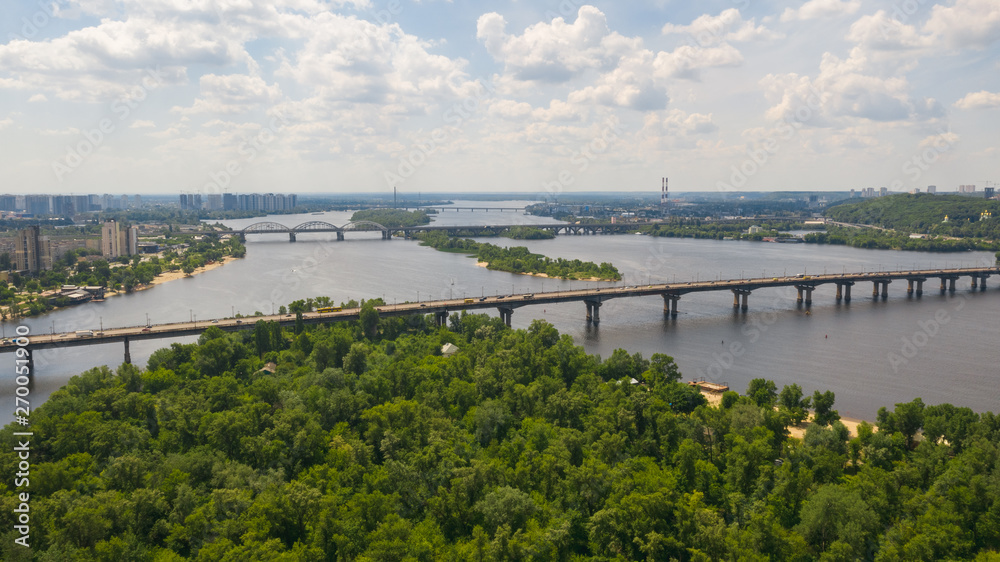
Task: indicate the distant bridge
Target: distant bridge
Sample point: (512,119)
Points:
(270,227)
(505,304)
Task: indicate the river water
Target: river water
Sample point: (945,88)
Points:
(871,353)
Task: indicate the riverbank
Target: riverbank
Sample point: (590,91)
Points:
(546,276)
(797,431)
(158,280)
(178,274)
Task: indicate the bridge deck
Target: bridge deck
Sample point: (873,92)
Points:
(504,302)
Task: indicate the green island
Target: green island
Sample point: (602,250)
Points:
(365,441)
(736,230)
(392,217)
(519,260)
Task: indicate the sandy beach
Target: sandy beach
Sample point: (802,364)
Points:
(173,275)
(797,431)
(484,264)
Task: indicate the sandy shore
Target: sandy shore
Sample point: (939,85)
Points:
(177,274)
(484,264)
(797,431)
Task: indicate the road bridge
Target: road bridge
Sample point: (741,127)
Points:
(671,294)
(387,232)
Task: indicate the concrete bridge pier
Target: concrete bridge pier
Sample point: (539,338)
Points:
(844,291)
(505,314)
(982,281)
(745,294)
(441,318)
(948,284)
(885,289)
(919,281)
(975,281)
(128,356)
(808,291)
(340,236)
(670,304)
(291,237)
(386,235)
(593,312)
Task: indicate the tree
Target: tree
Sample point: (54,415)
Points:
(763,392)
(662,370)
(356,360)
(824,414)
(368,318)
(791,401)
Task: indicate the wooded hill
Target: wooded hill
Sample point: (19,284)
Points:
(924,213)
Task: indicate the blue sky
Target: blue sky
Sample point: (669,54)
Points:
(170,96)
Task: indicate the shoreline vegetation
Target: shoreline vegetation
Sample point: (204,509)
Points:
(25,297)
(366,440)
(519,260)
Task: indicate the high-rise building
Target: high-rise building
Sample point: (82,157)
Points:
(110,240)
(31,250)
(62,205)
(967,189)
(214,201)
(663,192)
(883,191)
(81,203)
(138,201)
(36,204)
(989,192)
(129,241)
(124,202)
(932,189)
(852,194)
(8,203)
(229,202)
(117,240)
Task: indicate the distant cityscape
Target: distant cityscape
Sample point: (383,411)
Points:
(28,206)
(988,192)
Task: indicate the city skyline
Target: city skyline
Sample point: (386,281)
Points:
(352,96)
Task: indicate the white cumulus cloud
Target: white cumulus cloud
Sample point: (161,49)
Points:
(818,9)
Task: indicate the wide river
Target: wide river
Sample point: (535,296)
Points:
(871,353)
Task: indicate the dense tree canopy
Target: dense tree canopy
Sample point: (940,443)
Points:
(362,442)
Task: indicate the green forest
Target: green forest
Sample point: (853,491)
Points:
(360,441)
(518,259)
(695,228)
(895,240)
(924,213)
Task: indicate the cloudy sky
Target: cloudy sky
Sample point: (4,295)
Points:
(169,96)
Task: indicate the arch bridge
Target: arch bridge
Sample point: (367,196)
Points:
(269,227)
